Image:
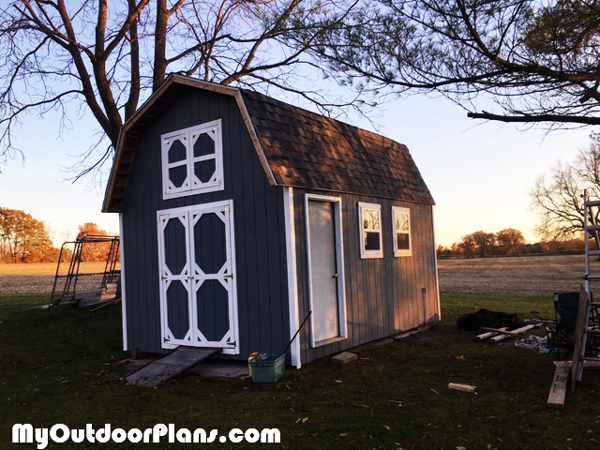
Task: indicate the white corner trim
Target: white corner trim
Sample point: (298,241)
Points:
(123,291)
(290,243)
(437,276)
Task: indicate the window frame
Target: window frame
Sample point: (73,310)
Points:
(364,252)
(401,252)
(192,184)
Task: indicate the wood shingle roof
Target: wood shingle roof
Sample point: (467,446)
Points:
(308,150)
(297,148)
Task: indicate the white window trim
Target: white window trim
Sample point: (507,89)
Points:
(364,253)
(398,252)
(192,185)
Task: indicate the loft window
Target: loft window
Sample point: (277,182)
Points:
(192,160)
(371,242)
(402,238)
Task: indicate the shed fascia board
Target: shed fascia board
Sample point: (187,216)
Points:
(174,79)
(255,140)
(334,192)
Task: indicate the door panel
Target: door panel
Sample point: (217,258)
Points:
(174,278)
(213,277)
(213,310)
(178,314)
(323,270)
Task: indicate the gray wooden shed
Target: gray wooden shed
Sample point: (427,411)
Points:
(241,214)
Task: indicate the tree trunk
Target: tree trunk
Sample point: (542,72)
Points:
(160,44)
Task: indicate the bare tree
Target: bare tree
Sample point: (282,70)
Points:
(106,57)
(467,246)
(557,196)
(537,60)
(510,241)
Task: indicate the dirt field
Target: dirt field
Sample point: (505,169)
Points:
(536,275)
(38,277)
(27,277)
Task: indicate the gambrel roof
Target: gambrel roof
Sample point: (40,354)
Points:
(297,148)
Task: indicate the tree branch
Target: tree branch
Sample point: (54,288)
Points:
(531,118)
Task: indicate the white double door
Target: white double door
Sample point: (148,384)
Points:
(197,269)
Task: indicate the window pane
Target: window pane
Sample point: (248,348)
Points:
(401,222)
(403,241)
(204,146)
(176,152)
(372,241)
(204,170)
(178,175)
(371,219)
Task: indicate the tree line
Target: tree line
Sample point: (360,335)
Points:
(24,239)
(507,242)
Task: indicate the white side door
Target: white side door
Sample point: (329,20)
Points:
(325,269)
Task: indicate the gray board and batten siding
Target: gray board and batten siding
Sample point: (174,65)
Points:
(275,157)
(259,227)
(383,295)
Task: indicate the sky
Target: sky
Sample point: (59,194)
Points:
(478,172)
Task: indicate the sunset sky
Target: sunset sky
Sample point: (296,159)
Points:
(478,172)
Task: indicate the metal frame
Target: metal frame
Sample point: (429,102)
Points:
(74,275)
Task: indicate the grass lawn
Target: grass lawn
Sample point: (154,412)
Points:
(58,366)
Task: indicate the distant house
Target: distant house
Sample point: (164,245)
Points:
(241,214)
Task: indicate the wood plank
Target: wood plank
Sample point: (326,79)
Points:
(579,332)
(169,366)
(109,293)
(463,387)
(509,333)
(558,390)
(89,294)
(491,333)
(500,337)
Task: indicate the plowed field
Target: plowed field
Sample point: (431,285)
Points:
(535,275)
(27,277)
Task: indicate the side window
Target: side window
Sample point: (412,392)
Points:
(192,160)
(371,241)
(402,238)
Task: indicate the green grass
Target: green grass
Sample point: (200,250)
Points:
(58,366)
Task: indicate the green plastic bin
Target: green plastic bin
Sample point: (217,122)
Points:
(268,367)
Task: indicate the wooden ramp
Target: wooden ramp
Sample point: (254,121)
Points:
(169,366)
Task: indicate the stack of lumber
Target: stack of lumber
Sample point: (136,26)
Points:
(500,334)
(93,297)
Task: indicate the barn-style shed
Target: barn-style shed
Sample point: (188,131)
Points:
(241,214)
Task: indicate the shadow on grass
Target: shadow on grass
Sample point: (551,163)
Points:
(58,366)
